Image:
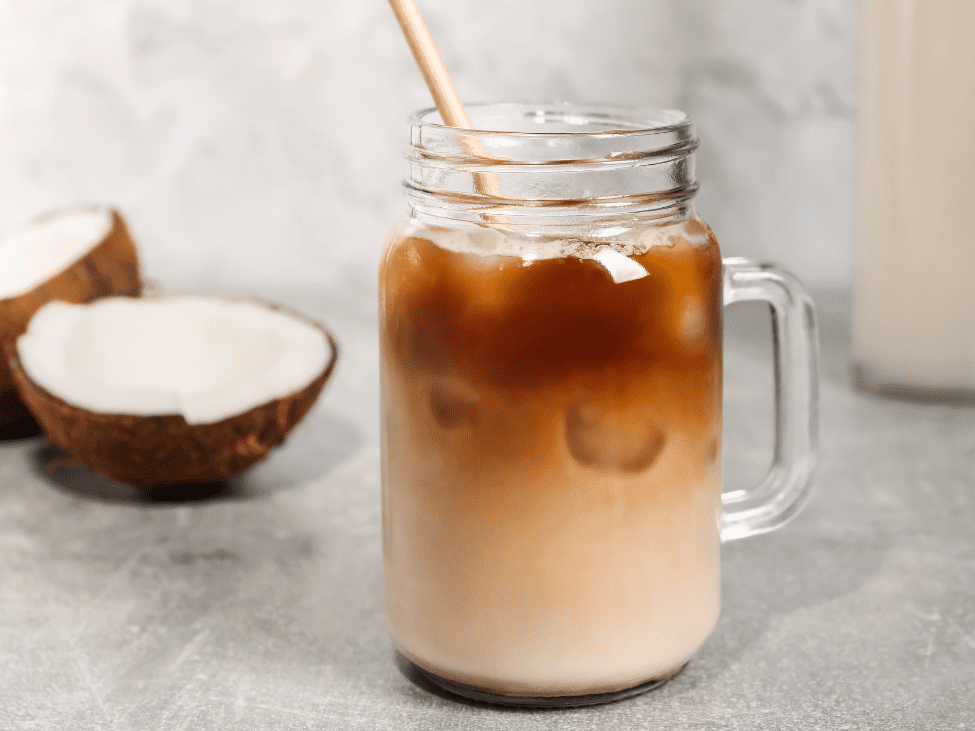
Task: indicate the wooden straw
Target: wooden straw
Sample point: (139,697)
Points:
(442,88)
(428,58)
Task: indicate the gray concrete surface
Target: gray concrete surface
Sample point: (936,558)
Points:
(259,605)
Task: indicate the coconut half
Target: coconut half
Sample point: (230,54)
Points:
(170,390)
(74,254)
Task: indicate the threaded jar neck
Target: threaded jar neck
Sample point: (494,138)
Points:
(552,160)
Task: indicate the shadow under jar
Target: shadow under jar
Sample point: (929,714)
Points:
(551,404)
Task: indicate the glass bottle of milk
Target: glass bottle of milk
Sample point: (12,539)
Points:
(914,241)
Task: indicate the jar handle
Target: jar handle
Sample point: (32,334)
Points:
(788,483)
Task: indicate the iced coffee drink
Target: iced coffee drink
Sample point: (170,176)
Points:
(550,324)
(552,454)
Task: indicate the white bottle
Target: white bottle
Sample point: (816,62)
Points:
(914,241)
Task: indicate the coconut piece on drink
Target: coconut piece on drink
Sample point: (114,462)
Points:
(170,390)
(75,254)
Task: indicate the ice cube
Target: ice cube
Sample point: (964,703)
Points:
(612,436)
(453,402)
(693,322)
(621,268)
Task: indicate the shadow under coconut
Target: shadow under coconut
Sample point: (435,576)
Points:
(16,421)
(313,450)
(22,428)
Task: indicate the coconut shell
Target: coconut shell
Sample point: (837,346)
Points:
(110,268)
(150,451)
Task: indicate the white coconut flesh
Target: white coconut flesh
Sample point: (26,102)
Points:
(47,247)
(206,359)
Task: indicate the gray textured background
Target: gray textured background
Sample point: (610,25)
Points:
(253,141)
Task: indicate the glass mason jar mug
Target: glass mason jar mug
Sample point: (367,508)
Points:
(551,352)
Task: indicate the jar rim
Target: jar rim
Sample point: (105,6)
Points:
(652,122)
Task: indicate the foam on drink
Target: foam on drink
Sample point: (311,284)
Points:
(551,453)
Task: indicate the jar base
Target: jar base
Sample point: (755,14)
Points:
(423,677)
(867,379)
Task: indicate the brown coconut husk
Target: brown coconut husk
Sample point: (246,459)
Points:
(153,451)
(110,268)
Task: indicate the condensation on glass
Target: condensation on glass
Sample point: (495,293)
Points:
(551,311)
